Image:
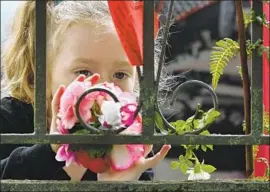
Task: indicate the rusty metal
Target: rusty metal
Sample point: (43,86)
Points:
(40,75)
(256,76)
(139,186)
(135,139)
(148,95)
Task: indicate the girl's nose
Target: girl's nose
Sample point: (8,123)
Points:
(104,78)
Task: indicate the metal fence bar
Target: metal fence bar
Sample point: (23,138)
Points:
(148,83)
(40,77)
(169,186)
(136,139)
(256,76)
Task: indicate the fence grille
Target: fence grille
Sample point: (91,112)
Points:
(147,97)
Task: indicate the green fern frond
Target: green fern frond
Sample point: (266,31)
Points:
(249,17)
(221,55)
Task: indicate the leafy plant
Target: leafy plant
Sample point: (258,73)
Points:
(189,161)
(226,49)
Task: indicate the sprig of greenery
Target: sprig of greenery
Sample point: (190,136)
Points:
(263,21)
(190,161)
(249,17)
(224,51)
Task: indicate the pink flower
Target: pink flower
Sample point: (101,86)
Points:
(110,114)
(124,156)
(127,114)
(63,154)
(127,98)
(61,128)
(69,100)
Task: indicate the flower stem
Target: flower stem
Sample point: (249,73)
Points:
(195,158)
(245,81)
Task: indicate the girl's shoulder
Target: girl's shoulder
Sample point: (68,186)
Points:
(16,116)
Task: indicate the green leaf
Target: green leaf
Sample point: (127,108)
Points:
(206,132)
(181,158)
(180,123)
(211,116)
(221,55)
(189,163)
(208,168)
(180,132)
(197,168)
(175,164)
(197,147)
(188,154)
(210,147)
(197,124)
(82,132)
(201,124)
(181,127)
(204,148)
(159,122)
(248,17)
(183,168)
(185,146)
(190,119)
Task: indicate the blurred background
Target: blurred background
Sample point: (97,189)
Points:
(197,26)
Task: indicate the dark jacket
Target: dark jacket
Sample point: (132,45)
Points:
(35,162)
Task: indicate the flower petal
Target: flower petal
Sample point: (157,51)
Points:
(136,151)
(61,154)
(111,113)
(69,119)
(121,159)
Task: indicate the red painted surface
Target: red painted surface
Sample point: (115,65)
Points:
(128,20)
(264,150)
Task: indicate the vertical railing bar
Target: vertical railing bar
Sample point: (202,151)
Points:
(147,94)
(256,76)
(40,76)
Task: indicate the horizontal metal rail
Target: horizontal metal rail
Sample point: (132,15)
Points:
(170,186)
(124,139)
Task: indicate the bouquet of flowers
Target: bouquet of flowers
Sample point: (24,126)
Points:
(87,108)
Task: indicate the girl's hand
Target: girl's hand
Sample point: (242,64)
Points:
(55,105)
(138,168)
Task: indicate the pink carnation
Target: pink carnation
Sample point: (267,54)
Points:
(69,100)
(112,114)
(124,156)
(63,154)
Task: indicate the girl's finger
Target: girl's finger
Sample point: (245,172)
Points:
(153,161)
(56,100)
(147,149)
(80,78)
(93,79)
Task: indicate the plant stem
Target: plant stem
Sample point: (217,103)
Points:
(245,80)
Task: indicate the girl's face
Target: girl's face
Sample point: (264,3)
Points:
(84,51)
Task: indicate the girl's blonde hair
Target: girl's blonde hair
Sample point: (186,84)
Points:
(18,55)
(19,50)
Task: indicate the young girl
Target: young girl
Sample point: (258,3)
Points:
(81,43)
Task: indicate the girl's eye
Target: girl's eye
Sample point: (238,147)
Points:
(85,72)
(120,75)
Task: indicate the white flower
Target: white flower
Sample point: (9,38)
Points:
(110,113)
(198,176)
